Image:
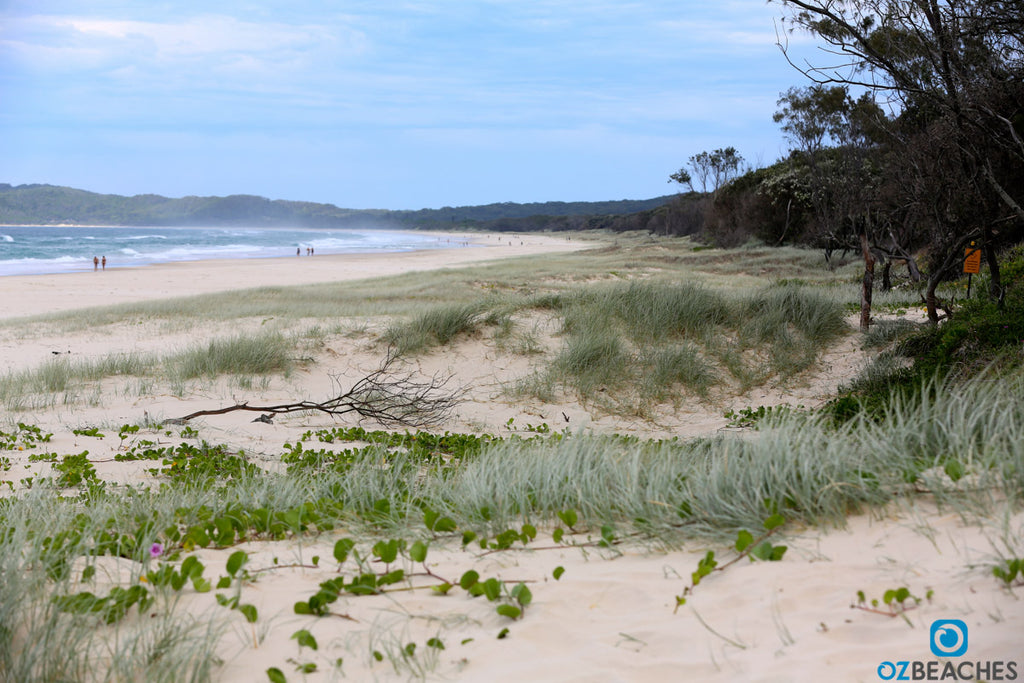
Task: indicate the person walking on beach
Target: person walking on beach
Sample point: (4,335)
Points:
(95,263)
(104,262)
(298,251)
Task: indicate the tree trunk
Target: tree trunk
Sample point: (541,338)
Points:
(868,283)
(995,282)
(912,269)
(930,300)
(886,278)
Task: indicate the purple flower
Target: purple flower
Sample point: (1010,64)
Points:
(156,550)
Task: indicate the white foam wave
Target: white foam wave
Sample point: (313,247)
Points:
(33,266)
(50,251)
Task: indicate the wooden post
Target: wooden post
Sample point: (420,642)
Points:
(868,283)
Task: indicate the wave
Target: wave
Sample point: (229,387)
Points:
(52,250)
(35,266)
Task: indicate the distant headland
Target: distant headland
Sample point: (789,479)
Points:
(55,205)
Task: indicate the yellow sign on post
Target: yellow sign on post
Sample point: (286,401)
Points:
(972,261)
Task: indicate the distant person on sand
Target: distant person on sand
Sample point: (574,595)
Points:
(95,263)
(298,251)
(104,262)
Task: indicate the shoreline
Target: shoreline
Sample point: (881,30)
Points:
(405,240)
(32,295)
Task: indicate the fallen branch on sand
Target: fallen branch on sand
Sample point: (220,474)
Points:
(390,395)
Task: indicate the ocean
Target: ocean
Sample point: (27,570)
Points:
(32,249)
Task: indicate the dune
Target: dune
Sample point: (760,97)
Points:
(598,612)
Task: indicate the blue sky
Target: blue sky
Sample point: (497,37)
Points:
(379,104)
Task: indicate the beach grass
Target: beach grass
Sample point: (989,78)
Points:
(657,337)
(262,354)
(645,320)
(664,491)
(66,380)
(626,310)
(796,464)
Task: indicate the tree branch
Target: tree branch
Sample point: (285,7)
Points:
(390,395)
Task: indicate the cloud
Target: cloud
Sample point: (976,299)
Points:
(579,83)
(198,47)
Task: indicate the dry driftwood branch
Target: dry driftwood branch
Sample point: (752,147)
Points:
(391,395)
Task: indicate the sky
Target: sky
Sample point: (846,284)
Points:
(385,104)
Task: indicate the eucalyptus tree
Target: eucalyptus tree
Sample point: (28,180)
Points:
(712,169)
(951,72)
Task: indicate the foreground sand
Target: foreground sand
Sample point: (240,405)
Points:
(610,617)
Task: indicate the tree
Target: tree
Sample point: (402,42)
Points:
(952,70)
(811,115)
(715,168)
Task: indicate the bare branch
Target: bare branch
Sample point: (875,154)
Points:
(391,395)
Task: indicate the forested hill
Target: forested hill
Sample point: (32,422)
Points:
(49,204)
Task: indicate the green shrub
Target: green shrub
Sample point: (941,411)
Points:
(980,334)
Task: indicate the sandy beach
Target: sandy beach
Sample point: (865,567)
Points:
(39,294)
(611,616)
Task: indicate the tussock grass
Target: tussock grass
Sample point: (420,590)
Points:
(64,379)
(659,337)
(683,365)
(59,379)
(593,360)
(656,311)
(240,355)
(435,326)
(800,464)
(776,310)
(885,332)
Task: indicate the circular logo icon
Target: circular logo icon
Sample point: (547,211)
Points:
(948,638)
(886,671)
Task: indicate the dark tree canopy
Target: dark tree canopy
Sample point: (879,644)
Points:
(951,72)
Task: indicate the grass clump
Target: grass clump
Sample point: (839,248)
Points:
(776,311)
(62,376)
(660,338)
(795,323)
(241,355)
(651,312)
(435,326)
(62,379)
(593,360)
(683,365)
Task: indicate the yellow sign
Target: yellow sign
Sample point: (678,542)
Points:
(972,261)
